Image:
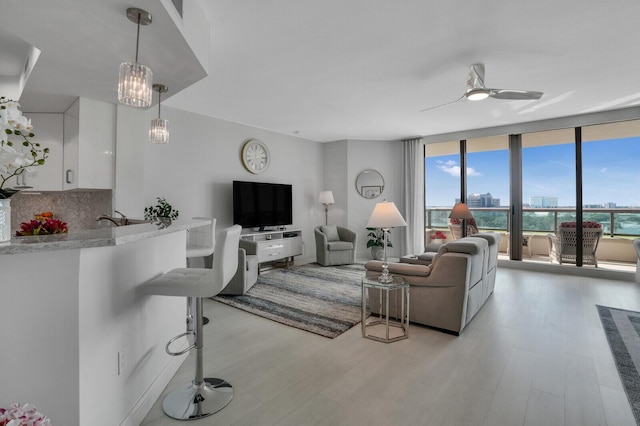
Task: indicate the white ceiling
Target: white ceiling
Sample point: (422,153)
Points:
(362,69)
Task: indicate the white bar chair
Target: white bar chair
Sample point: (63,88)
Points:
(202,396)
(201,243)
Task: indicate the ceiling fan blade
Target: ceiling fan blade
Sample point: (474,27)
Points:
(441,105)
(514,94)
(475,78)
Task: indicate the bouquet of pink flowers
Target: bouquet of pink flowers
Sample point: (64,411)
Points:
(22,415)
(438,235)
(42,227)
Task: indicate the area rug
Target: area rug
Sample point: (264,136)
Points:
(322,300)
(622,329)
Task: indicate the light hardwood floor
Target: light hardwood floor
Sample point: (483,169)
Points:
(534,355)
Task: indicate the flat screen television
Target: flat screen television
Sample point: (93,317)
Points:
(260,204)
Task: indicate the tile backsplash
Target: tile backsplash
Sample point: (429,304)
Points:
(78,208)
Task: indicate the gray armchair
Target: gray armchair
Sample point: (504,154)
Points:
(335,245)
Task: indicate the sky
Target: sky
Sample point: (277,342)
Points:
(610,174)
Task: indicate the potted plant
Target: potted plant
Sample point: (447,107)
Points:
(161,211)
(376,242)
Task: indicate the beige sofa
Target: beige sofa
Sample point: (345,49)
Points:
(449,291)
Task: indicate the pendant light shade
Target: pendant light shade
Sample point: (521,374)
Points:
(159,130)
(135,80)
(134,85)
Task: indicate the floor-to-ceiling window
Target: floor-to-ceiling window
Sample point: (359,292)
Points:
(488,181)
(566,175)
(610,154)
(548,187)
(442,182)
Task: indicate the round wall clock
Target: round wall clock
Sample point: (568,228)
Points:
(255,156)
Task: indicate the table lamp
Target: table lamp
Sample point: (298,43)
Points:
(326,199)
(461,212)
(385,215)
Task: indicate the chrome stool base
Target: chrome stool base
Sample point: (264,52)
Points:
(191,401)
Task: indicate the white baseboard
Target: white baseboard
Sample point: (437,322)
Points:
(151,395)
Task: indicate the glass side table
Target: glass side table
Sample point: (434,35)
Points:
(386,323)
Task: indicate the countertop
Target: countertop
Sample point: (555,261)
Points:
(101,237)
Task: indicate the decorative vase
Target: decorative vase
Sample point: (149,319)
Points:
(5,219)
(163,222)
(437,240)
(377,252)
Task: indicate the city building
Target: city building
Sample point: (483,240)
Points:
(541,201)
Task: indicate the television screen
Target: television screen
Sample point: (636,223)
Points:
(259,204)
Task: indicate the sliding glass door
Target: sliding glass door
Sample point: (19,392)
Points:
(548,188)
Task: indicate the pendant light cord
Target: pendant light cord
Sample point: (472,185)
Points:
(138,37)
(159,100)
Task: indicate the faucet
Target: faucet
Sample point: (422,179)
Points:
(109,218)
(123,219)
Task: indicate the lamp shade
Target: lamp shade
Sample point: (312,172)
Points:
(460,211)
(326,197)
(386,215)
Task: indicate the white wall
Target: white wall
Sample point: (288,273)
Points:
(132,134)
(336,180)
(386,158)
(195,171)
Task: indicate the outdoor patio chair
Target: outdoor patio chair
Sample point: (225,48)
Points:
(562,245)
(455,227)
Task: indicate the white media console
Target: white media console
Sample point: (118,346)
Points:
(271,246)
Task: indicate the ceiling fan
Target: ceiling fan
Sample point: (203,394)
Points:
(477,91)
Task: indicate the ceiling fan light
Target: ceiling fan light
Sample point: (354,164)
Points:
(477,94)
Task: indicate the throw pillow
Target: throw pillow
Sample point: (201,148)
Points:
(331,231)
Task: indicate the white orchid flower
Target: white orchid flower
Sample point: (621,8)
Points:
(12,162)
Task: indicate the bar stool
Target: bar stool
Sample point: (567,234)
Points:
(202,396)
(201,242)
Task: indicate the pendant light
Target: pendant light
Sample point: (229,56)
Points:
(159,130)
(134,84)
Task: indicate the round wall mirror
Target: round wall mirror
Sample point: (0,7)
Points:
(369,184)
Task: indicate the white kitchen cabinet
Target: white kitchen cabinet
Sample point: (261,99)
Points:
(89,145)
(48,130)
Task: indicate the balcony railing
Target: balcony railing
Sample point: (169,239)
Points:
(620,222)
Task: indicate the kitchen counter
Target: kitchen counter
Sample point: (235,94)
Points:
(100,237)
(83,344)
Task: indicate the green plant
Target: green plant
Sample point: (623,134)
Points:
(162,209)
(376,238)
